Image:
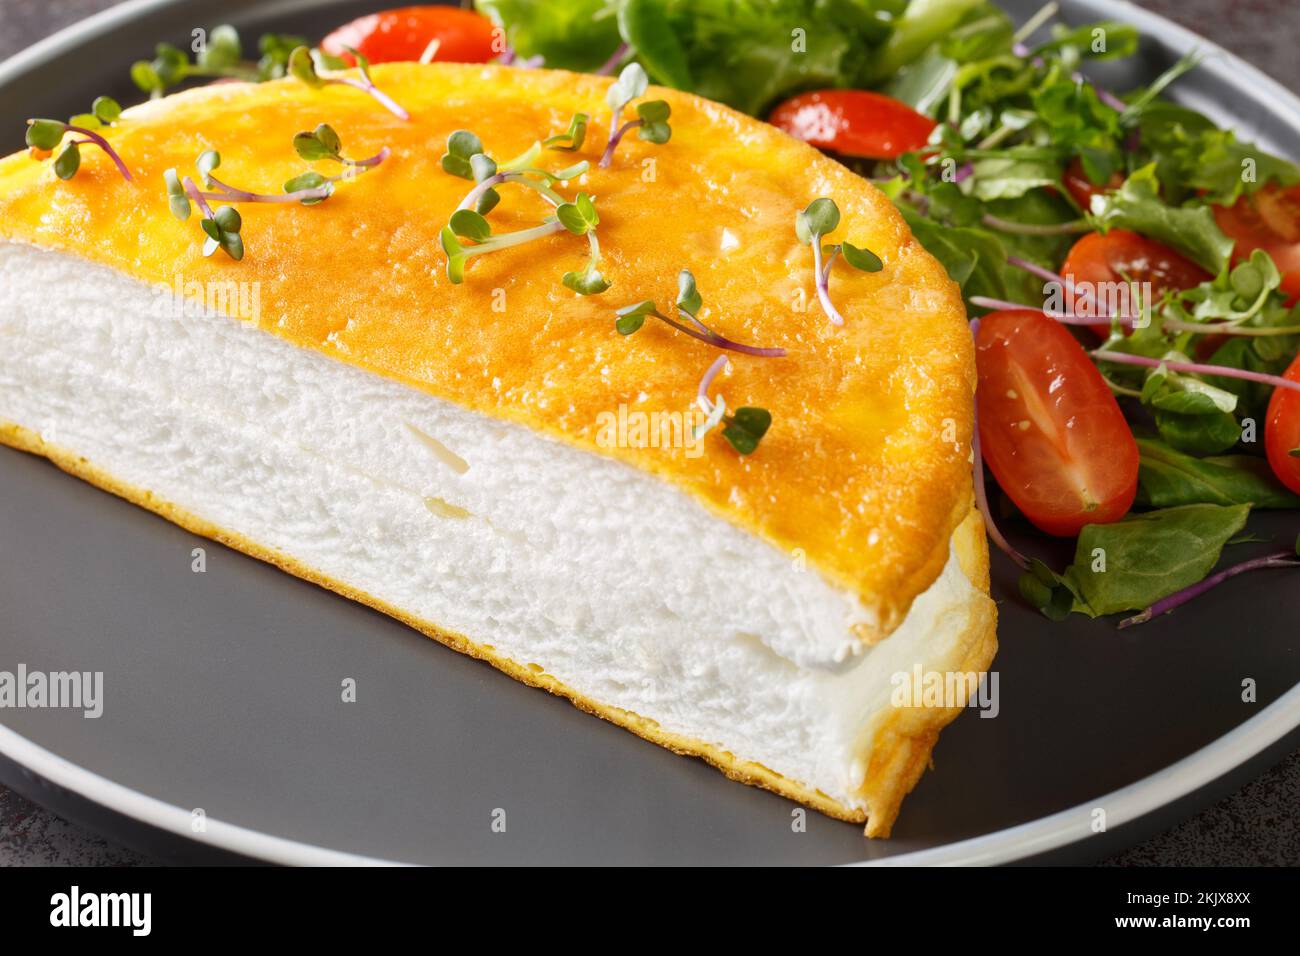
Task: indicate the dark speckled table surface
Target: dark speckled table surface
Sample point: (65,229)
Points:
(1260,824)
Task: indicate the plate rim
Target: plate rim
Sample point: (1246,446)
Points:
(1009,844)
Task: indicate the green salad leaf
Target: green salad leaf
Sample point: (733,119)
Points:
(1167,477)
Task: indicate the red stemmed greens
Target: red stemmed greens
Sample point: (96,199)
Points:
(222,225)
(651,123)
(46,135)
(689,302)
(820,219)
(303,64)
(743,429)
(469,234)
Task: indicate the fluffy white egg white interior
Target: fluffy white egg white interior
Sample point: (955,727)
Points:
(608,579)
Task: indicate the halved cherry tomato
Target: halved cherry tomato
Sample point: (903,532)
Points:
(1082,188)
(1050,428)
(854,122)
(1120,256)
(1268,220)
(1282,431)
(404,34)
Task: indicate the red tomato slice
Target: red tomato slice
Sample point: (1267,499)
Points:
(1120,256)
(1050,428)
(404,34)
(1268,220)
(854,122)
(1282,431)
(1082,188)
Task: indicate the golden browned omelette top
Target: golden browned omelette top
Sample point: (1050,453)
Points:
(866,465)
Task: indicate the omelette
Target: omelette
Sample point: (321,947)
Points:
(490,457)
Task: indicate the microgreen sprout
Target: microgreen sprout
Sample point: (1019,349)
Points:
(303,64)
(570,140)
(45,135)
(631,318)
(651,123)
(820,219)
(466,158)
(744,429)
(221,57)
(308,188)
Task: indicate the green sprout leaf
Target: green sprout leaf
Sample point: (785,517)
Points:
(863,260)
(303,67)
(631,83)
(85,121)
(819,219)
(487,202)
(587,282)
(688,297)
(67,162)
(223,49)
(632,317)
(455,255)
(462,146)
(363,64)
(176,198)
(208,160)
(572,138)
(746,428)
(144,76)
(467,224)
(482,167)
(45,133)
(310,180)
(579,216)
(320,143)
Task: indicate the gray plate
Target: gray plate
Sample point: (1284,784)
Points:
(223,688)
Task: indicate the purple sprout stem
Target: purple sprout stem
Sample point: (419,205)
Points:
(93,137)
(615,58)
(616,138)
(231,194)
(964,172)
(200,199)
(532,62)
(1282,559)
(370,161)
(706,334)
(496,179)
(366,86)
(1103,94)
(1065,318)
(1049,276)
(703,391)
(1195,368)
(823,283)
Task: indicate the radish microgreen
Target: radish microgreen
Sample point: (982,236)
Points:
(744,429)
(222,225)
(651,123)
(631,318)
(222,57)
(45,135)
(466,158)
(570,140)
(303,64)
(819,219)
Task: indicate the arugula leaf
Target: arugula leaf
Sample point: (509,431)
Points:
(1167,478)
(1190,229)
(1148,556)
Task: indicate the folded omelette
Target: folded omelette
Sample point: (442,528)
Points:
(474,459)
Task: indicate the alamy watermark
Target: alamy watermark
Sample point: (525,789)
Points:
(76,690)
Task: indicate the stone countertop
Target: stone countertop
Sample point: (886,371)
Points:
(1259,824)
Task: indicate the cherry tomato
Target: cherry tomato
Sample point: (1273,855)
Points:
(1050,428)
(1268,220)
(1282,431)
(1120,256)
(405,33)
(1082,188)
(854,123)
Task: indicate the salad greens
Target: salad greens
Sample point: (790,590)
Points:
(734,51)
